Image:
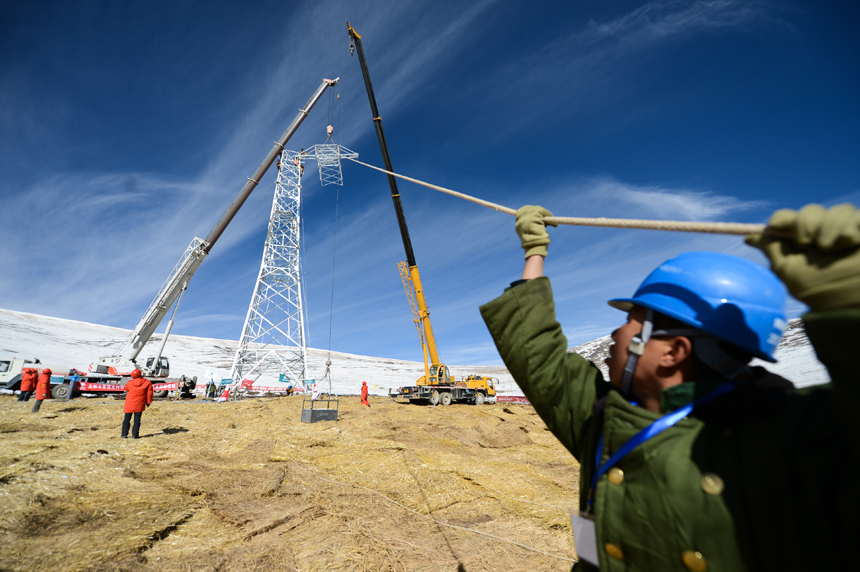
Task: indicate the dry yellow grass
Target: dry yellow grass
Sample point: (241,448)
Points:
(246,486)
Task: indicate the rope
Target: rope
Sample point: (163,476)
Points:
(333,261)
(430,510)
(514,499)
(331,303)
(389,499)
(736,228)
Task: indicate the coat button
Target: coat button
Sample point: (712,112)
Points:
(613,551)
(712,484)
(694,561)
(615,476)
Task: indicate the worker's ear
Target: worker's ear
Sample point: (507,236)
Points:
(676,351)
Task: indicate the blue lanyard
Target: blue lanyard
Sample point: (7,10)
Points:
(653,429)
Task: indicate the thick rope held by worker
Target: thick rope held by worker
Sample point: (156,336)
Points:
(672,225)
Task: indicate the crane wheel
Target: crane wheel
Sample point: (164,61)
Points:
(434,397)
(445,398)
(159,394)
(62,391)
(479,399)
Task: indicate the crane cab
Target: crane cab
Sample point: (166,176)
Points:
(160,369)
(439,375)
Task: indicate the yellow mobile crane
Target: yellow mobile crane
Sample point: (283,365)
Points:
(437,385)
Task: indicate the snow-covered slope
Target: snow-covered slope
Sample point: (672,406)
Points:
(77,344)
(797,361)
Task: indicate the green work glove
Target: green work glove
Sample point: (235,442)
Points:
(532,230)
(818,254)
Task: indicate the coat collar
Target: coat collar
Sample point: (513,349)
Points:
(759,396)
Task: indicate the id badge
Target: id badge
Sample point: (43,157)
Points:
(584,537)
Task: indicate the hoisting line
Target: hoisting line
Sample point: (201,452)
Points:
(673,225)
(331,307)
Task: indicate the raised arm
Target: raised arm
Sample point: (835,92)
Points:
(562,387)
(817,255)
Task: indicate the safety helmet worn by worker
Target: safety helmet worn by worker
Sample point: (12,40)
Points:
(136,373)
(721,297)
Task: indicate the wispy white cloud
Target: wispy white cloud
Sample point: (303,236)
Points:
(603,193)
(407,66)
(102,237)
(596,62)
(603,45)
(107,233)
(660,20)
(94,239)
(277,91)
(468,254)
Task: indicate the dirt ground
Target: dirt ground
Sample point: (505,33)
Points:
(246,486)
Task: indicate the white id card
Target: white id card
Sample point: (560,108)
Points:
(584,537)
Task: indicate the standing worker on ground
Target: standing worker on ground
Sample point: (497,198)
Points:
(28,383)
(364,400)
(43,389)
(138,398)
(690,459)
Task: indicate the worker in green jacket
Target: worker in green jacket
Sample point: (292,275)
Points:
(690,459)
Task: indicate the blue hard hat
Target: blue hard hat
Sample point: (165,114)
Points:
(728,297)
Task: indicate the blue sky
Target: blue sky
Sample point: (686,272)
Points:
(127,128)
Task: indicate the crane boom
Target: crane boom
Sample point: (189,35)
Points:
(254,179)
(197,251)
(176,282)
(414,276)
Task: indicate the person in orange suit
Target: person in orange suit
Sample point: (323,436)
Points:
(28,383)
(43,389)
(138,398)
(364,394)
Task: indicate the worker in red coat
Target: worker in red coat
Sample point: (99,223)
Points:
(137,399)
(364,394)
(28,383)
(43,389)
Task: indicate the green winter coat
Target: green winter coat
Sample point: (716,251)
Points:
(764,478)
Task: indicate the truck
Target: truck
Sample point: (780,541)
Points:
(474,389)
(436,385)
(11,368)
(67,382)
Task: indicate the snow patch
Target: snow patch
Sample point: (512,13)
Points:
(77,344)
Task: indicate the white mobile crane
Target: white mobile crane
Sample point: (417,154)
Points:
(113,371)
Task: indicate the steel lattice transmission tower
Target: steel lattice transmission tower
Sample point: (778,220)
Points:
(273,341)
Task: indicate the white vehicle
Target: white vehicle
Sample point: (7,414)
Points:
(68,382)
(10,375)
